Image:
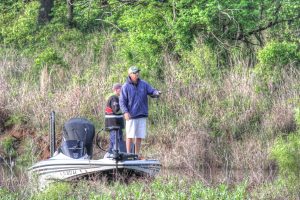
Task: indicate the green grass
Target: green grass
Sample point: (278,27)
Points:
(160,188)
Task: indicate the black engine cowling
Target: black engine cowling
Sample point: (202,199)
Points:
(78,135)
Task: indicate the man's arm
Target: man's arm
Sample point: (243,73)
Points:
(154,93)
(124,103)
(124,100)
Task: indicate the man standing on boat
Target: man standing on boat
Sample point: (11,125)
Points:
(114,119)
(134,105)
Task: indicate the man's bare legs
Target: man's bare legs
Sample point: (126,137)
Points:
(128,144)
(137,144)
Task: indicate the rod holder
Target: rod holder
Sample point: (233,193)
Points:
(52,133)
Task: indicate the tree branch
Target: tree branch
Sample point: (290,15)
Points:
(241,36)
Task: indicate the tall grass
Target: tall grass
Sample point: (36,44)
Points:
(205,119)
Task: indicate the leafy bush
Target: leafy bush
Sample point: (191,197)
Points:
(278,54)
(70,37)
(146,34)
(47,57)
(28,156)
(193,17)
(8,146)
(16,119)
(20,31)
(273,58)
(200,63)
(287,154)
(86,14)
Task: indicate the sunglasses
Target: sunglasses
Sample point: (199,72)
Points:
(135,72)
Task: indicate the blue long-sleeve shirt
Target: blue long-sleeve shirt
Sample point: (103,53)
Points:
(134,98)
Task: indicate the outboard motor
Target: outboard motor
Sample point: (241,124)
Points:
(78,135)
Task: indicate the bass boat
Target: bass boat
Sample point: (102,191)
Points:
(73,159)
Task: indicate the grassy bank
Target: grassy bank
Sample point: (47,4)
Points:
(198,123)
(229,81)
(160,188)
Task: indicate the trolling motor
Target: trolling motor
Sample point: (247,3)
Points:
(116,153)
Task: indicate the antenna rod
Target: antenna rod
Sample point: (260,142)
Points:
(52,133)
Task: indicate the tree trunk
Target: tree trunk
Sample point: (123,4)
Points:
(70,15)
(104,2)
(45,11)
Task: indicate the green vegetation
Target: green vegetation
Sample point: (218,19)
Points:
(6,194)
(228,70)
(274,58)
(286,151)
(57,191)
(173,188)
(7,145)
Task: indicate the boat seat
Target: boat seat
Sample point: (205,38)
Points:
(72,148)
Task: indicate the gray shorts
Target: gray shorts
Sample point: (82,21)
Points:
(136,128)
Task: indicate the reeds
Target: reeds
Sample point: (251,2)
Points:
(198,125)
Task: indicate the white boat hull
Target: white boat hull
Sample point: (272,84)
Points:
(61,167)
